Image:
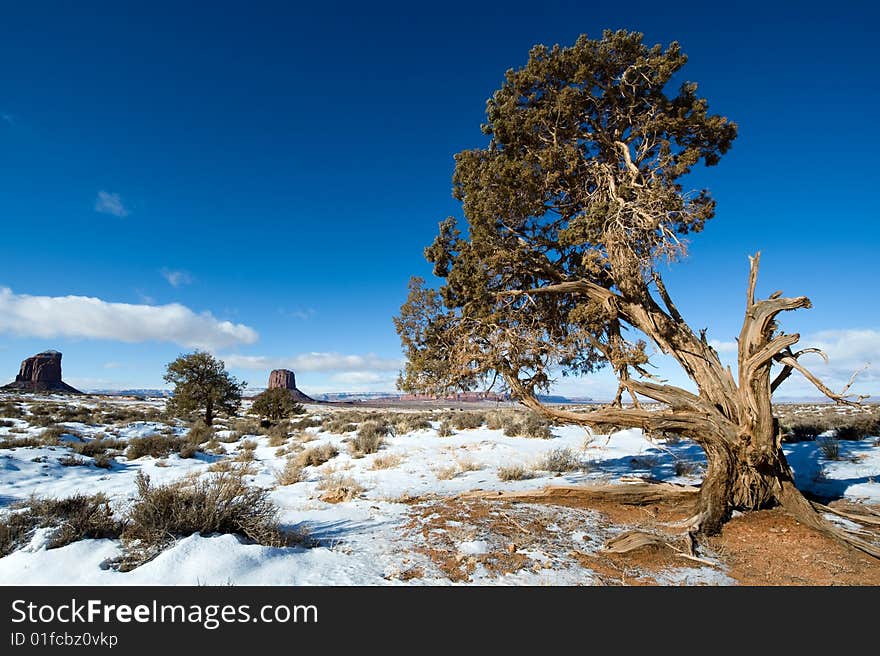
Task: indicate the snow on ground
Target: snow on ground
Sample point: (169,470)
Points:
(371,540)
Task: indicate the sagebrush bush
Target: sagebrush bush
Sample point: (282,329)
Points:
(291,473)
(338,488)
(386,461)
(156,446)
(410,422)
(514,473)
(317,455)
(12,410)
(20,442)
(305,422)
(52,435)
(445,429)
(199,432)
(74,518)
(526,425)
(829,447)
(560,460)
(468,419)
(72,461)
(221,503)
(98,446)
(369,437)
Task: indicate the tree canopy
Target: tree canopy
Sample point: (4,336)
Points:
(201,382)
(276,404)
(580,181)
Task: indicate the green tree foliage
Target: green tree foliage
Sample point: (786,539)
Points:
(201,383)
(580,181)
(276,404)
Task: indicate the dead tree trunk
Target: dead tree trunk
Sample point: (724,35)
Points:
(732,420)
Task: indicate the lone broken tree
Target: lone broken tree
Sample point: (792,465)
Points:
(201,382)
(570,209)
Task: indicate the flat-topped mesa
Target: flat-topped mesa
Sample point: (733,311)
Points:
(41,373)
(285,379)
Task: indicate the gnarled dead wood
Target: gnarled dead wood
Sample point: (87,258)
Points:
(628,494)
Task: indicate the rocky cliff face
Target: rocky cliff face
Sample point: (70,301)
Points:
(41,373)
(285,379)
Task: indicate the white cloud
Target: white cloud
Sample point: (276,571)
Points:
(176,278)
(315,362)
(88,317)
(112,365)
(723,347)
(108,203)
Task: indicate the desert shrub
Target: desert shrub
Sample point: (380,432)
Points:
(75,518)
(6,423)
(445,429)
(291,473)
(126,415)
(514,473)
(857,428)
(447,473)
(234,436)
(222,503)
(157,446)
(408,422)
(338,488)
(305,422)
(97,446)
(338,426)
(52,435)
(803,429)
(559,461)
(495,420)
(245,455)
(526,425)
(71,460)
(369,438)
(245,426)
(279,433)
(467,465)
(248,445)
(317,455)
(386,461)
(829,447)
(468,420)
(12,410)
(19,442)
(104,461)
(199,432)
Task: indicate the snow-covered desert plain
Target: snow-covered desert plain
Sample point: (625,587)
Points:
(407,513)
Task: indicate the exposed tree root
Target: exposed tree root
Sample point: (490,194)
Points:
(638,494)
(797,505)
(628,494)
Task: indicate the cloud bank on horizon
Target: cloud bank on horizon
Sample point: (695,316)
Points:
(93,318)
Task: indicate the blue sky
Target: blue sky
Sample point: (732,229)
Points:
(282,167)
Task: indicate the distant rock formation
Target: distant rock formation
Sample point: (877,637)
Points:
(285,379)
(41,373)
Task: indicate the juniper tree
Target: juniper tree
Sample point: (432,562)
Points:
(276,404)
(570,208)
(201,382)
